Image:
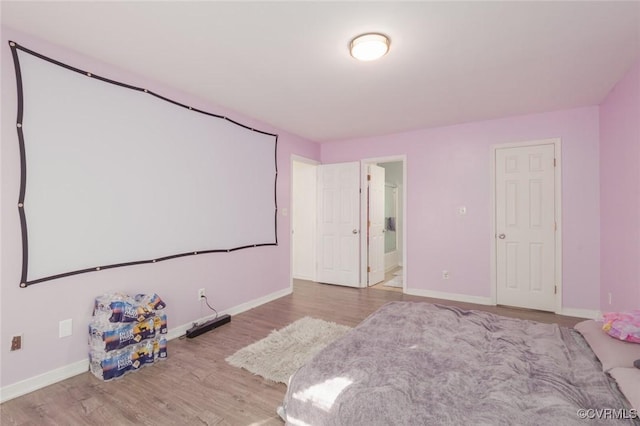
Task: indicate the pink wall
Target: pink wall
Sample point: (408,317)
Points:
(230,279)
(449,167)
(446,168)
(620,194)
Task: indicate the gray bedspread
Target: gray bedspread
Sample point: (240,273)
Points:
(421,364)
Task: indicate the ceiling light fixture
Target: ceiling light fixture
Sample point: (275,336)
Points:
(370,46)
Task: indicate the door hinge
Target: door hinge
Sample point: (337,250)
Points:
(554,162)
(368,177)
(368,224)
(555,226)
(368,268)
(555,289)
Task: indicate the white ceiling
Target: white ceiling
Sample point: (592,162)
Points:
(287,63)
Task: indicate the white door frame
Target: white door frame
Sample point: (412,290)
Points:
(558,214)
(300,159)
(363,216)
(375,229)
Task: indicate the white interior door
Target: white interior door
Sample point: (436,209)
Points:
(376,229)
(339,224)
(525,227)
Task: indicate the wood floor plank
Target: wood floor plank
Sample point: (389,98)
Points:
(195,385)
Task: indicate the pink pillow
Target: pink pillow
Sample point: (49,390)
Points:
(623,325)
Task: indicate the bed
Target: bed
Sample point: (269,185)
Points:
(413,363)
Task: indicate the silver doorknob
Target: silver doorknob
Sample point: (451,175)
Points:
(501,236)
(355,231)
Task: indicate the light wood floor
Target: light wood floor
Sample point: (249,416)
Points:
(195,386)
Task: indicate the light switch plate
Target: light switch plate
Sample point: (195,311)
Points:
(66,328)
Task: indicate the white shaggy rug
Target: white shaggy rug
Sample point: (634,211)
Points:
(282,352)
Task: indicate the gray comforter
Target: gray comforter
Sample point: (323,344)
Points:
(423,364)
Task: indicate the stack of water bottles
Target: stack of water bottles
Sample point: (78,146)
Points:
(126,333)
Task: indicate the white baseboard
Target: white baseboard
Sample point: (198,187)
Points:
(304,277)
(581,313)
(79,367)
(43,380)
(182,329)
(449,296)
(570,312)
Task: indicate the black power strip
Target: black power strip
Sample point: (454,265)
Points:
(199,329)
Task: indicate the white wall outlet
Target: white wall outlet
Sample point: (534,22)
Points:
(65,328)
(610,298)
(445,275)
(201,294)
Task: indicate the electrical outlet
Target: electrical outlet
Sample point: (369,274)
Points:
(16,343)
(445,275)
(610,298)
(201,294)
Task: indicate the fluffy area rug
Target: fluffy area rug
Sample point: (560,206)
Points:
(282,352)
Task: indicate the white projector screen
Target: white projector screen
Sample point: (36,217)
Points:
(115,175)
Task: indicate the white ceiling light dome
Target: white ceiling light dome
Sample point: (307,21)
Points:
(369,46)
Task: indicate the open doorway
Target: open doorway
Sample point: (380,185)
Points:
(307,254)
(303,218)
(325,223)
(394,226)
